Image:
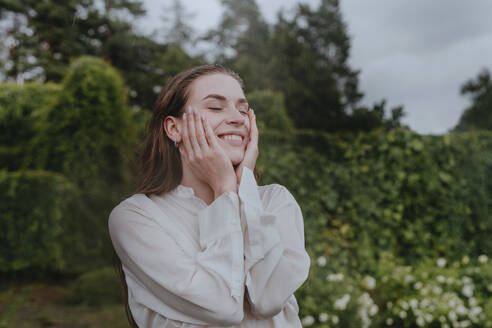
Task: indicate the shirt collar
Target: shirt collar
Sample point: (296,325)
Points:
(183,191)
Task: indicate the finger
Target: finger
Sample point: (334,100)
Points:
(192,133)
(209,134)
(186,138)
(200,133)
(253,127)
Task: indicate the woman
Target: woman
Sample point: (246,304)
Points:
(200,243)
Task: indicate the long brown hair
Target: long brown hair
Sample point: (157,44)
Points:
(160,161)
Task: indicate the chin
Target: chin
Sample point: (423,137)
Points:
(236,158)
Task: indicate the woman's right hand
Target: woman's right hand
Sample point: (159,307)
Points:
(203,154)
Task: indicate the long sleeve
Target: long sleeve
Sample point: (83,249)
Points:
(276,262)
(205,289)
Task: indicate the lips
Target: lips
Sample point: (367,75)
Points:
(233,138)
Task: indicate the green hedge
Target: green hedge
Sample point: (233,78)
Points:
(417,196)
(46,227)
(23,109)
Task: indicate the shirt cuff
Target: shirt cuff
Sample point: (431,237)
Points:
(220,218)
(262,235)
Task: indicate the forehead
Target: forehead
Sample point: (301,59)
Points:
(220,84)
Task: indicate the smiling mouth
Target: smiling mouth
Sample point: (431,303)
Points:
(232,139)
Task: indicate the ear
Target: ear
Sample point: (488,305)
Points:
(172,126)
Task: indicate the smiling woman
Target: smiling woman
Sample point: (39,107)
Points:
(200,243)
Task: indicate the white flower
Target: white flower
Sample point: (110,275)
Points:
(465,323)
(321,261)
(466,280)
(424,303)
(440,279)
(483,259)
(452,316)
(335,277)
(450,280)
(461,309)
(365,300)
(414,303)
(417,285)
(404,305)
(441,262)
(445,325)
(389,321)
(467,290)
(341,303)
(465,260)
(420,321)
(369,282)
(442,319)
(472,301)
(489,287)
(335,319)
(373,310)
(408,278)
(428,317)
(402,314)
(307,321)
(323,317)
(437,290)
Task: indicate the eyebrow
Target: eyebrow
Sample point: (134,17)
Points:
(222,98)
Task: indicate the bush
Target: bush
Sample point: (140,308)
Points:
(88,135)
(270,110)
(434,293)
(96,288)
(33,207)
(416,196)
(23,109)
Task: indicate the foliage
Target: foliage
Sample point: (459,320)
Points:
(88,134)
(433,293)
(50,34)
(479,115)
(22,109)
(95,288)
(33,208)
(416,196)
(270,110)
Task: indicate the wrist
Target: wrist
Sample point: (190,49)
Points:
(218,191)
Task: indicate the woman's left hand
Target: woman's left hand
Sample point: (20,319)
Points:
(251,153)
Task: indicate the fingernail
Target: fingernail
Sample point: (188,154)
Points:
(195,111)
(184,116)
(189,109)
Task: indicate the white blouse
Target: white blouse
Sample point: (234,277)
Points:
(233,263)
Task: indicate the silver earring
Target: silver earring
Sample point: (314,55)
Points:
(175,144)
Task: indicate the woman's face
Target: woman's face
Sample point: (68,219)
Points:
(220,98)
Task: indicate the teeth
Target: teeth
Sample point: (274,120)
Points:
(232,137)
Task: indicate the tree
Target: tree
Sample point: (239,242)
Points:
(49,34)
(478,116)
(241,37)
(311,66)
(176,30)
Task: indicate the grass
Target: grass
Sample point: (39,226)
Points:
(36,305)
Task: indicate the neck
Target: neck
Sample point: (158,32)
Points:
(201,189)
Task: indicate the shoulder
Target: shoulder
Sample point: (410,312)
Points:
(129,209)
(275,195)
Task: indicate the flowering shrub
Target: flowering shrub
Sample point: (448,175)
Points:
(431,294)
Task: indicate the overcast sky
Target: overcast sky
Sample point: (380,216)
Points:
(412,53)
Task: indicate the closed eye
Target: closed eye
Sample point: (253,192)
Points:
(215,108)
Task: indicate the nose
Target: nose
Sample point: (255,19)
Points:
(234,116)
